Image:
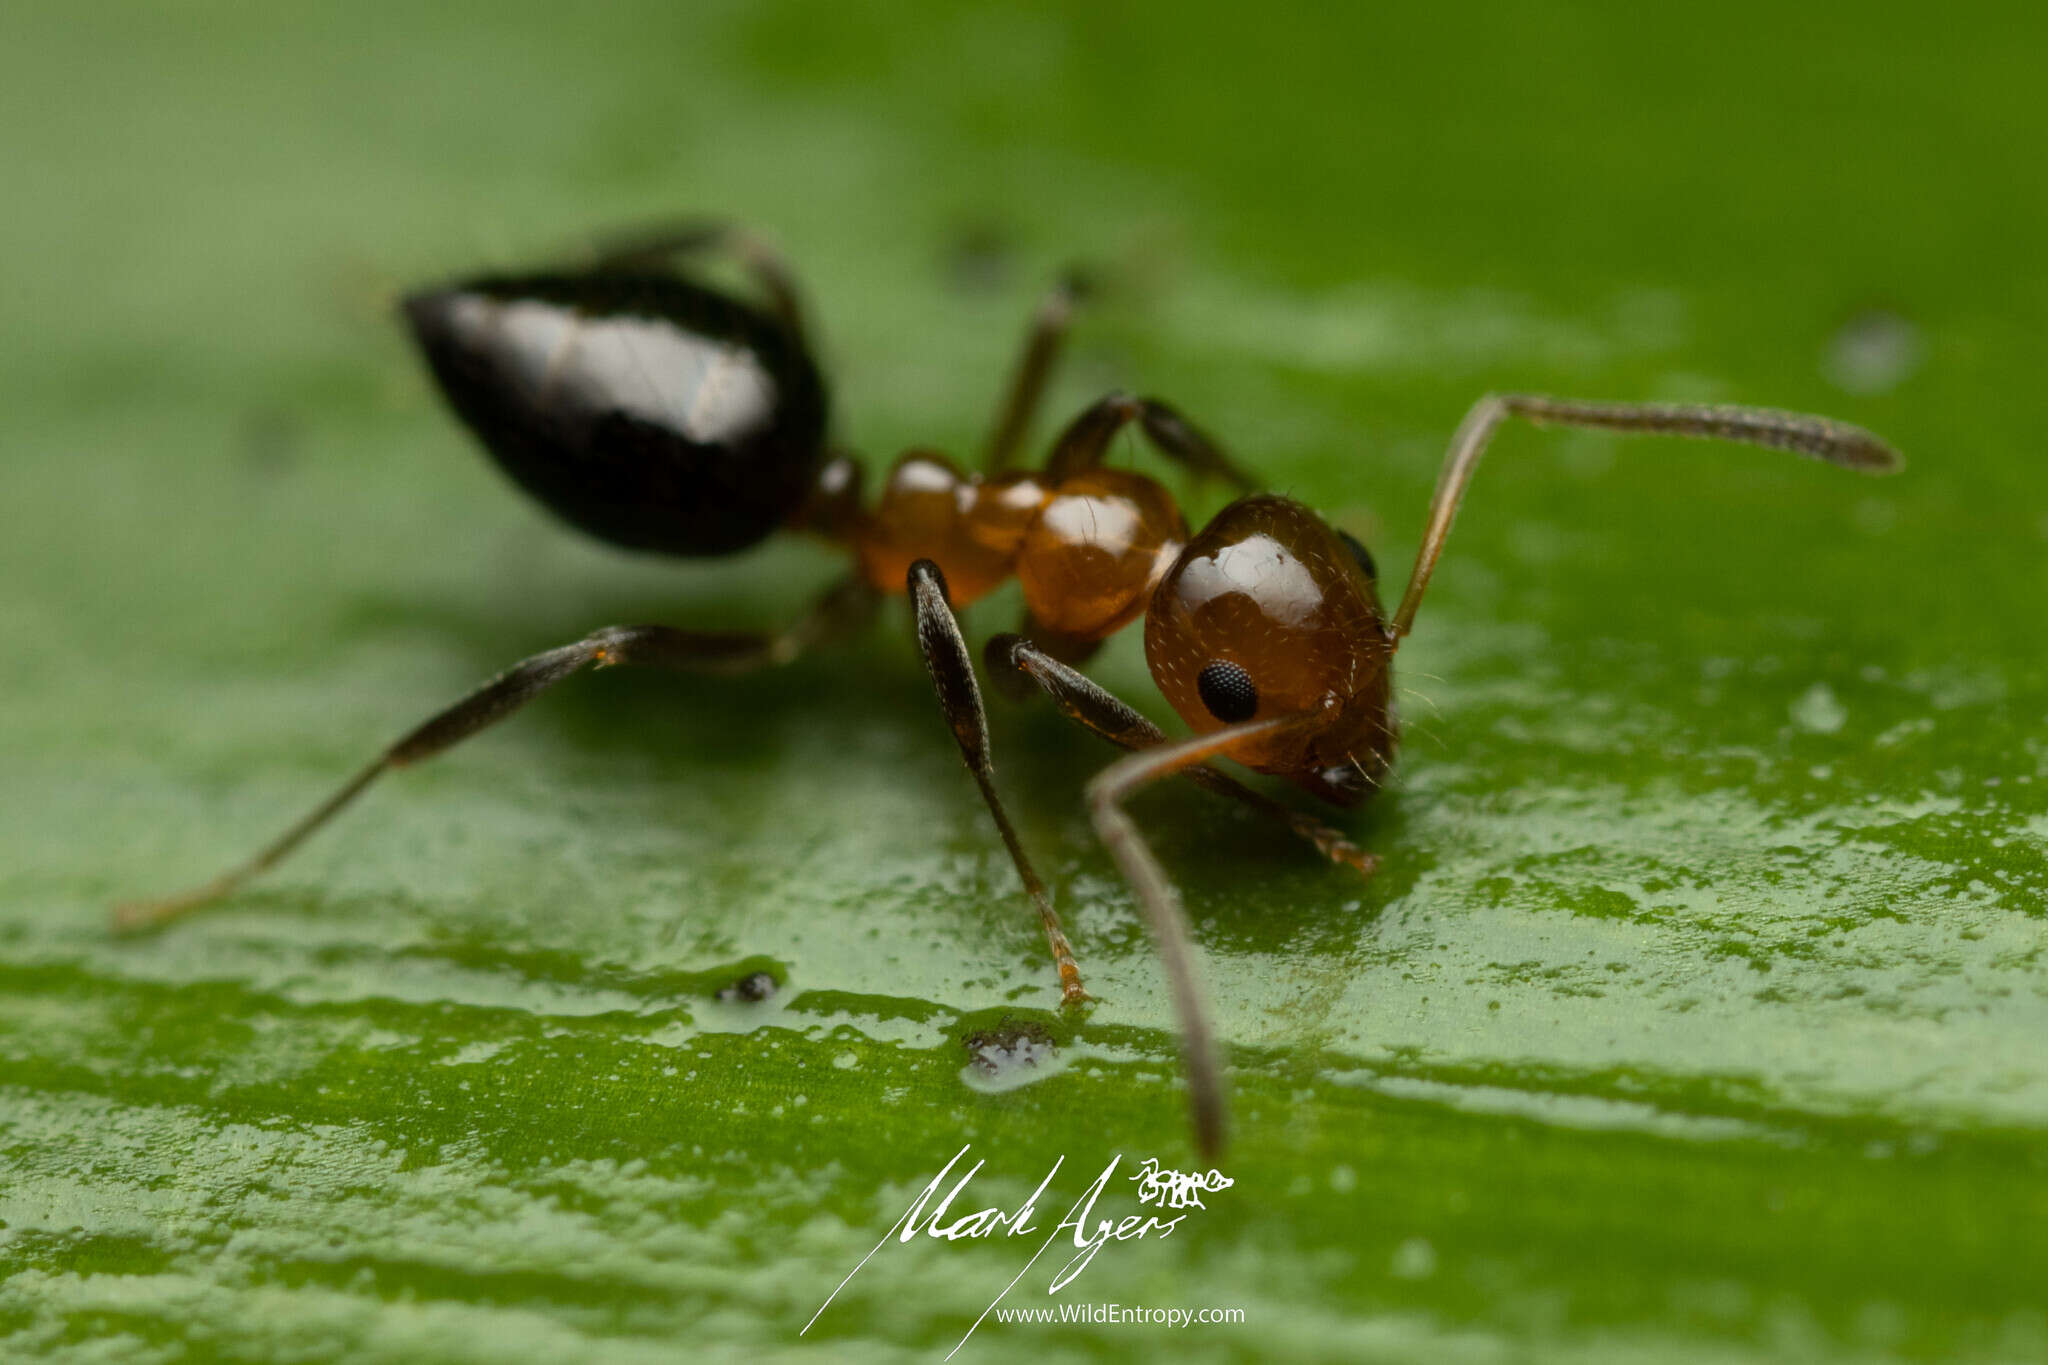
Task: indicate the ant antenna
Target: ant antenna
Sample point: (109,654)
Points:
(1836,442)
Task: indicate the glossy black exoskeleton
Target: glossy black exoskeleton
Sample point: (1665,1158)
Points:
(652,412)
(661,415)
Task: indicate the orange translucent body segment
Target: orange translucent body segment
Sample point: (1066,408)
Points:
(927,509)
(1098,546)
(1268,587)
(1002,511)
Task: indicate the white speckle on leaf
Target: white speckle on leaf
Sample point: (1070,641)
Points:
(1818,710)
(1414,1259)
(1874,352)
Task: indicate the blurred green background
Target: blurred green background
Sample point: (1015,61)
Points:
(1700,1012)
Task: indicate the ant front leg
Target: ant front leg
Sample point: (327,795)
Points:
(1161,902)
(838,612)
(1085,442)
(1081,448)
(952,672)
(1095,708)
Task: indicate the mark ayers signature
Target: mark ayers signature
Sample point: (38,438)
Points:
(1168,1189)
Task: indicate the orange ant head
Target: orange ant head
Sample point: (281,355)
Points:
(1270,613)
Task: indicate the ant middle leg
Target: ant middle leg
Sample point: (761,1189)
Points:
(1015,682)
(1026,393)
(1095,708)
(838,612)
(952,673)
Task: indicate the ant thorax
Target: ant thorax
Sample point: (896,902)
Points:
(662,414)
(1088,550)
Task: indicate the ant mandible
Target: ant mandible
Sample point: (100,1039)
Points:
(665,415)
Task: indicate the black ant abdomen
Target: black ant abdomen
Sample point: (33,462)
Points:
(663,415)
(649,411)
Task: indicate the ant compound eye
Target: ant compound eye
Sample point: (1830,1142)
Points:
(1361,554)
(1228,692)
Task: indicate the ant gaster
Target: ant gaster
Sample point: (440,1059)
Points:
(662,414)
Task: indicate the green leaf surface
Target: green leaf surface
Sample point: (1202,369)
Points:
(1698,1013)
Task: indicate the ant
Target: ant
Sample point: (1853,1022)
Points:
(662,414)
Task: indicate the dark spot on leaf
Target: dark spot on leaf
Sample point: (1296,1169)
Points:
(751,988)
(980,259)
(1010,1047)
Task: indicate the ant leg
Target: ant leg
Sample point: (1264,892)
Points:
(658,245)
(1161,903)
(837,611)
(1801,433)
(1086,440)
(1042,347)
(1087,703)
(952,671)
(1070,650)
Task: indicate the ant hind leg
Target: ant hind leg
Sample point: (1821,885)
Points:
(837,612)
(660,244)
